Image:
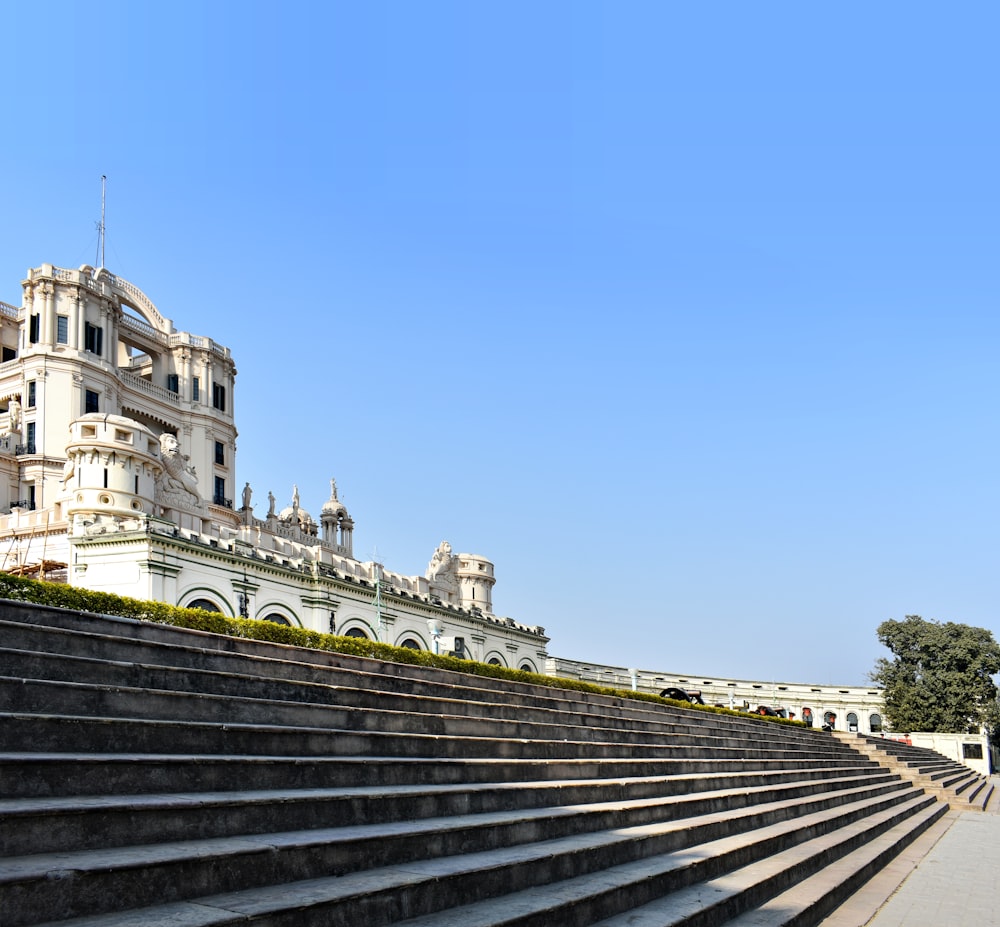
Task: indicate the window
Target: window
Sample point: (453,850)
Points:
(220,454)
(220,493)
(875,724)
(31,497)
(62,329)
(356,632)
(33,326)
(8,354)
(207,604)
(91,401)
(852,722)
(277,619)
(195,389)
(31,394)
(219,397)
(29,437)
(93,338)
(172,383)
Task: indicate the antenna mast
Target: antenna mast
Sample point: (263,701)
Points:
(100,225)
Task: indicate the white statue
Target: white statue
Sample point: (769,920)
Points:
(178,476)
(441,560)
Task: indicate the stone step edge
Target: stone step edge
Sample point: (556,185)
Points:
(34,866)
(438,875)
(925,781)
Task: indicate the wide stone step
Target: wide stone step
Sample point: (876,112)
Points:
(28,775)
(202,648)
(47,697)
(674,890)
(105,734)
(56,697)
(138,679)
(815,897)
(173,666)
(32,826)
(436,864)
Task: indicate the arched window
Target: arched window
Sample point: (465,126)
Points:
(494,661)
(206,604)
(277,619)
(411,643)
(807,717)
(852,722)
(356,632)
(830,718)
(875,724)
(527,668)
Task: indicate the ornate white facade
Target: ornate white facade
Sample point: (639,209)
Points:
(118,471)
(857,709)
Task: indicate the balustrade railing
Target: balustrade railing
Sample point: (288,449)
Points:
(145,386)
(26,448)
(129,323)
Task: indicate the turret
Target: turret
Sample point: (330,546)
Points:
(475,582)
(112,468)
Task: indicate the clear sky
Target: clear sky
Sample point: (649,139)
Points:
(683,314)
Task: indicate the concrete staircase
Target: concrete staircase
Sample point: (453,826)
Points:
(154,776)
(939,775)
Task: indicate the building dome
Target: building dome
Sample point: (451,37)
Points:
(333,506)
(289,514)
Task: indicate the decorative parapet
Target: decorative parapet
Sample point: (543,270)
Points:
(142,385)
(137,326)
(200,341)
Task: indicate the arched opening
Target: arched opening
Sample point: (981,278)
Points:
(852,722)
(411,643)
(807,717)
(494,661)
(829,719)
(527,668)
(277,619)
(875,724)
(207,604)
(356,632)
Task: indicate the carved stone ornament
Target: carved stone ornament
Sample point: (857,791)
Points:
(177,486)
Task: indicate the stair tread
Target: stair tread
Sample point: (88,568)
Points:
(36,865)
(257,902)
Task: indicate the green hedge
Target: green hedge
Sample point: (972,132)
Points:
(59,595)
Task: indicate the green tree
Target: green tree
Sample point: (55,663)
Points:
(940,677)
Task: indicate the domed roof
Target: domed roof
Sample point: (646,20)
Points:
(333,506)
(288,515)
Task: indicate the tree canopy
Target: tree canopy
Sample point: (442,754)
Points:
(940,677)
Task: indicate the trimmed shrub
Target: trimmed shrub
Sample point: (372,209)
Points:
(60,595)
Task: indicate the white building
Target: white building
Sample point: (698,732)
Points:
(857,709)
(118,471)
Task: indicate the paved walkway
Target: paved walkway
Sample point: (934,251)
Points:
(950,878)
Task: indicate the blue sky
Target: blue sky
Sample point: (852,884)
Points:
(685,315)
